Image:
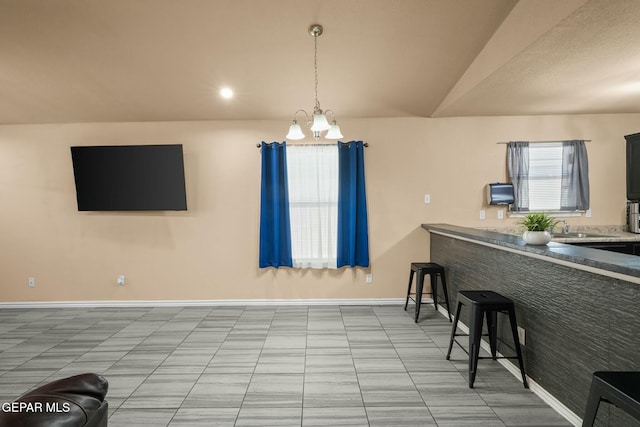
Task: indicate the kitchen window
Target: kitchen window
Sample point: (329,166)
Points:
(549,176)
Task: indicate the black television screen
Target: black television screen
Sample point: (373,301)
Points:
(129,177)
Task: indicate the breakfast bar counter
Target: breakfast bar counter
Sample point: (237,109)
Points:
(603,262)
(579,306)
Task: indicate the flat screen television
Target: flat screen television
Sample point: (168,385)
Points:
(129,178)
(633,167)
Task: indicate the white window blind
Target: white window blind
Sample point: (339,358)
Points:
(545,176)
(313,204)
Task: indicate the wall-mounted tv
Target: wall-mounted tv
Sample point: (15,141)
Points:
(129,177)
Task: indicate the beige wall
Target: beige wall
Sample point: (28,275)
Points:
(210,252)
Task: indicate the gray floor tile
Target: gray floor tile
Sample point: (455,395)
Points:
(331,417)
(400,416)
(446,389)
(331,390)
(233,361)
(259,417)
(379,365)
(530,416)
(161,391)
(389,389)
(333,363)
(291,361)
(265,365)
(205,417)
(454,416)
(141,417)
(275,390)
(218,391)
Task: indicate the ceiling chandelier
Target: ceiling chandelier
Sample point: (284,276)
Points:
(319,123)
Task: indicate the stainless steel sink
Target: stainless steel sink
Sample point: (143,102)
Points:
(579,235)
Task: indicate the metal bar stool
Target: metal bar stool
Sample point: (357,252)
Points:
(621,388)
(485,304)
(433,270)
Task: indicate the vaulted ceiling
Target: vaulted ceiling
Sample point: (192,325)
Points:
(156,60)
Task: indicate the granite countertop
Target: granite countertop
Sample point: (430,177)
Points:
(597,233)
(608,262)
(598,236)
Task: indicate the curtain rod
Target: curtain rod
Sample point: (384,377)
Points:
(556,140)
(366,144)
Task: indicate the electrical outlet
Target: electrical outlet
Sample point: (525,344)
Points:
(32,282)
(368,278)
(588,213)
(501,214)
(120,280)
(427,198)
(482,214)
(521,335)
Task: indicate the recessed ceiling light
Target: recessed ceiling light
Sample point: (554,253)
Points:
(632,87)
(226,93)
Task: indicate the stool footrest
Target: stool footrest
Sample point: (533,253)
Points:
(498,357)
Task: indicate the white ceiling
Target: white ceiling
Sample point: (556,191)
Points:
(157,60)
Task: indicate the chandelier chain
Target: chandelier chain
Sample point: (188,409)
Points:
(315,67)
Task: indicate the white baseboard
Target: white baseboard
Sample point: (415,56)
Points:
(200,303)
(536,388)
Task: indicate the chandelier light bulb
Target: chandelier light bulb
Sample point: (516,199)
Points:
(295,132)
(334,131)
(320,122)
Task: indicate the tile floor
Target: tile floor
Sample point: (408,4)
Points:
(265,366)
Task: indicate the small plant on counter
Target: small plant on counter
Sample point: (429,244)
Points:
(538,227)
(538,221)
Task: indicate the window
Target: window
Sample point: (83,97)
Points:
(545,176)
(549,176)
(313,204)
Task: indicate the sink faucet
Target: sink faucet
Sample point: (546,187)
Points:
(565,228)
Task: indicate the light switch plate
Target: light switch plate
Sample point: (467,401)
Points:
(427,198)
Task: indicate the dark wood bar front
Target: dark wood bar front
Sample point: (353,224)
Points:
(579,307)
